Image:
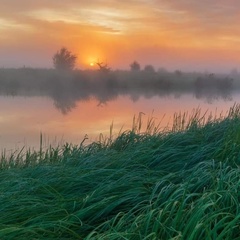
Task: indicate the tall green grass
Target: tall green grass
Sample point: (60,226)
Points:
(180,183)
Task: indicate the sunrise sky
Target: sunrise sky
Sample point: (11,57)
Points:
(173,34)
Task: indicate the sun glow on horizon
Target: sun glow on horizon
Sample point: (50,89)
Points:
(165,34)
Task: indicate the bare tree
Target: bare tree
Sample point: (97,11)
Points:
(64,59)
(103,67)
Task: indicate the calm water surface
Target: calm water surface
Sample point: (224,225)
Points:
(23,119)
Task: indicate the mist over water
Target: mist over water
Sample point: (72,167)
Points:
(65,106)
(67,88)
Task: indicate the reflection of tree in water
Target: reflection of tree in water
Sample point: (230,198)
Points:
(213,88)
(212,95)
(66,91)
(134,97)
(65,104)
(103,96)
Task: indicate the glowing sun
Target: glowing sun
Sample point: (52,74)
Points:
(91,64)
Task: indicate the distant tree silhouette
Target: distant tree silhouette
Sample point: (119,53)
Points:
(103,67)
(149,68)
(135,66)
(178,73)
(64,59)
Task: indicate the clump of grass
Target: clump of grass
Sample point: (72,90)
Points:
(177,184)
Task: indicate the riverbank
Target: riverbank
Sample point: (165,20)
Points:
(180,184)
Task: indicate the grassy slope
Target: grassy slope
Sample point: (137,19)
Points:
(184,184)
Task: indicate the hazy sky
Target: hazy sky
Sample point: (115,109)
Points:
(174,34)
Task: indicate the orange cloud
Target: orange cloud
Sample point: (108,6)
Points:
(121,31)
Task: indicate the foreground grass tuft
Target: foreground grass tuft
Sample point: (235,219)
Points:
(177,184)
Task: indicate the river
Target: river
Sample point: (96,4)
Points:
(24,119)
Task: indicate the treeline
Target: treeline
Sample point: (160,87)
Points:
(68,87)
